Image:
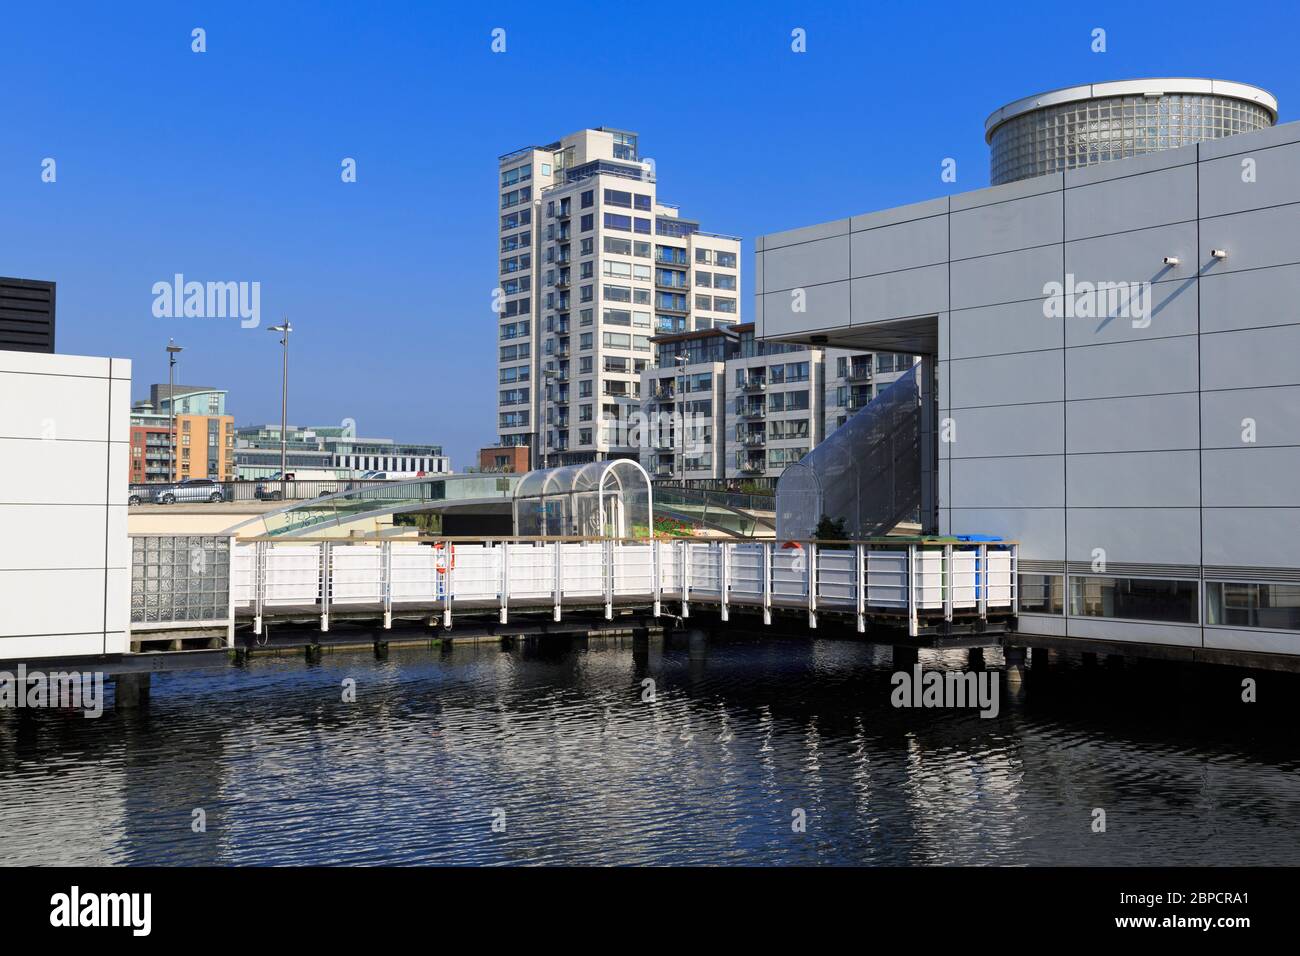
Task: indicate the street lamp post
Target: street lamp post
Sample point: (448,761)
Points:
(284,328)
(172,351)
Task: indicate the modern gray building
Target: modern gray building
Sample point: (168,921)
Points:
(1111,364)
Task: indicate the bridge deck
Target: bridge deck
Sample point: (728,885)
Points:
(914,584)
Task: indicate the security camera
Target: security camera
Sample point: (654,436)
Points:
(1171,260)
(1219,253)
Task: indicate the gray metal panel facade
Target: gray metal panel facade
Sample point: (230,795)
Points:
(1075,434)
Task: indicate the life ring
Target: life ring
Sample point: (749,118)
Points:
(444,557)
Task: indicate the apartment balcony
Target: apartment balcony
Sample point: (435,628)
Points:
(564,212)
(752,412)
(751,466)
(753,386)
(753,439)
(858,374)
(664,394)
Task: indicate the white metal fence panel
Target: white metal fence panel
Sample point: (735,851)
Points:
(962,577)
(415,575)
(790,575)
(999,578)
(672,554)
(706,569)
(746,563)
(634,571)
(478,573)
(292,575)
(837,577)
(242,578)
(887,579)
(356,574)
(928,579)
(583,570)
(532,571)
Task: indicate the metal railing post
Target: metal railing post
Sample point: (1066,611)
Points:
(861,559)
(1015,580)
(230,591)
(656,565)
(947,579)
(386,572)
(912,629)
(812,586)
(325,575)
(505,580)
(724,579)
(609,580)
(686,579)
(557,552)
(769,553)
(447,583)
(259,585)
(982,580)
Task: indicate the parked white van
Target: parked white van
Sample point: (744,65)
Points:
(326,483)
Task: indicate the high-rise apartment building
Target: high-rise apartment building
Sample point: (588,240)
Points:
(593,265)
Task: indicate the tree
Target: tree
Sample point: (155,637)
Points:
(829,529)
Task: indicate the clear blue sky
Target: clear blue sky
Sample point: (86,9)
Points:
(225,165)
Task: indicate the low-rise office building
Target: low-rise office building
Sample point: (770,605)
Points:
(334,448)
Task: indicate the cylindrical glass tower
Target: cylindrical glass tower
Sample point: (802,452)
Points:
(1098,122)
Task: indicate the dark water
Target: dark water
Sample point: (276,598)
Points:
(739,736)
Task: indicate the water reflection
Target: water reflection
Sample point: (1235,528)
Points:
(737,736)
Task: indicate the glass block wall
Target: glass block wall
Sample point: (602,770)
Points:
(179,578)
(1065,136)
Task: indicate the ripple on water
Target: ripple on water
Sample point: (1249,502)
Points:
(718,765)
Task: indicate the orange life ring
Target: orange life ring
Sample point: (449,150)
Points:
(445,557)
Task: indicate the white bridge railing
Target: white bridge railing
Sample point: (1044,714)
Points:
(909,579)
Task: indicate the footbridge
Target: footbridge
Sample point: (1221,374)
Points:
(559,492)
(184,586)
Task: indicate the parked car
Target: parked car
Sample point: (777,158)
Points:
(191,489)
(268,489)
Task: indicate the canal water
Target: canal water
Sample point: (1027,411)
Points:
(606,752)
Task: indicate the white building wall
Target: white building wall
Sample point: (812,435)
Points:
(64,554)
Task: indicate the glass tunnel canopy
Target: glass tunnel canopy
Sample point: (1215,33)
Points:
(599,499)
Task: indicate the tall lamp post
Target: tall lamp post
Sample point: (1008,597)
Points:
(284,328)
(172,351)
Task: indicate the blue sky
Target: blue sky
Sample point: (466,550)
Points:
(225,165)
